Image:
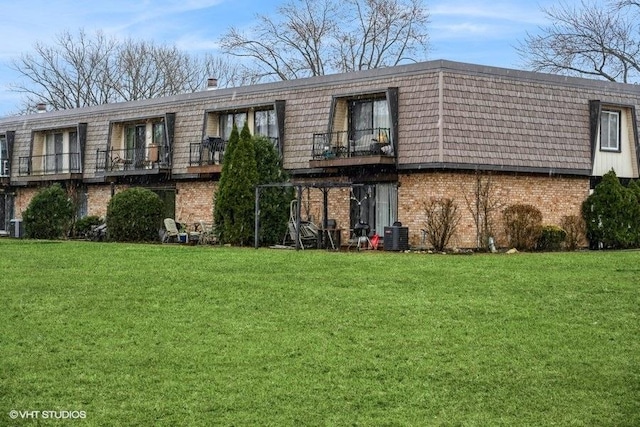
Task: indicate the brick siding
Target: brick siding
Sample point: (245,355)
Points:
(554,196)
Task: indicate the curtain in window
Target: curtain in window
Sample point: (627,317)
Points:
(386,206)
(158,134)
(53,143)
(130,142)
(361,120)
(265,123)
(370,120)
(74,152)
(228,120)
(83,204)
(381,114)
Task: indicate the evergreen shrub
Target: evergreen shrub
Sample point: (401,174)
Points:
(612,214)
(235,199)
(551,238)
(274,201)
(49,214)
(134,215)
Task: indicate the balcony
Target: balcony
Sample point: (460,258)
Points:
(364,147)
(50,167)
(206,157)
(150,160)
(5,171)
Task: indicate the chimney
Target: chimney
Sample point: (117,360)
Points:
(41,107)
(212,84)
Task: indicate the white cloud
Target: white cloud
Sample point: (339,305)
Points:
(462,29)
(523,11)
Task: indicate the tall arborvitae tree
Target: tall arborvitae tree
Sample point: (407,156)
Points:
(222,198)
(274,201)
(236,191)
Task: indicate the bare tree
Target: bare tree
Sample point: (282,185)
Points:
(441,222)
(588,40)
(483,204)
(67,74)
(290,47)
(317,37)
(384,33)
(229,73)
(82,70)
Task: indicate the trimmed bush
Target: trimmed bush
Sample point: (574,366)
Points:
(523,225)
(49,214)
(134,215)
(573,225)
(551,238)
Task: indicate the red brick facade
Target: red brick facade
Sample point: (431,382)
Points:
(554,196)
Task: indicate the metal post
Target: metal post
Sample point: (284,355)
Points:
(325,214)
(256,227)
(298,217)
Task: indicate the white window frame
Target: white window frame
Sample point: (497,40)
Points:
(610,130)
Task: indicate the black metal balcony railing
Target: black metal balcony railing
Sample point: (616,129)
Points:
(130,159)
(364,142)
(208,152)
(49,164)
(4,168)
(211,150)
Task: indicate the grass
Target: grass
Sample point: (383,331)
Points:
(170,335)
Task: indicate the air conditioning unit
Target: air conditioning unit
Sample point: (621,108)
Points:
(5,168)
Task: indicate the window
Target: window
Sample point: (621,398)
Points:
(228,120)
(610,131)
(138,143)
(4,157)
(158,134)
(6,212)
(135,138)
(53,161)
(53,152)
(265,124)
(369,117)
(375,205)
(74,152)
(82,204)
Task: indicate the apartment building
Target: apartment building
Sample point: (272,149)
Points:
(392,138)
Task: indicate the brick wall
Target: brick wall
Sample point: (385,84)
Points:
(22,200)
(554,196)
(194,201)
(98,197)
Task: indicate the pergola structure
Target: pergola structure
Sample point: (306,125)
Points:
(322,186)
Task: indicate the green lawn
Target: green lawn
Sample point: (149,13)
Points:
(168,335)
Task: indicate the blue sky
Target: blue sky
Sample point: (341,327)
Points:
(475,31)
